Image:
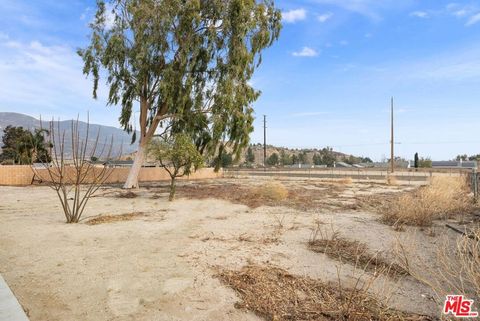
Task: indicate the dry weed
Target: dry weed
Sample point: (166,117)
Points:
(444,197)
(352,252)
(275,294)
(114,218)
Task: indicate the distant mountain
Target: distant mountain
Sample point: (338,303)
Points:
(121,139)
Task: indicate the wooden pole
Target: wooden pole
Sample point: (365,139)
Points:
(264,141)
(392,158)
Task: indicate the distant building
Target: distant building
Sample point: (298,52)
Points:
(342,165)
(398,164)
(454,164)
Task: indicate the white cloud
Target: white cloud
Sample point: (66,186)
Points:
(293,16)
(324,17)
(368,8)
(343,43)
(473,19)
(460,13)
(419,14)
(306,52)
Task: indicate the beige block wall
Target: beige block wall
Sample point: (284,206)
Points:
(22,175)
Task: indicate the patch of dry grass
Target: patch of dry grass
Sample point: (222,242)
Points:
(275,194)
(442,198)
(275,294)
(353,252)
(114,218)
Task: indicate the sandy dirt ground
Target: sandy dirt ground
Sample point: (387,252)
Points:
(162,264)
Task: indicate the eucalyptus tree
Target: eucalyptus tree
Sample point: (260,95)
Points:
(185,64)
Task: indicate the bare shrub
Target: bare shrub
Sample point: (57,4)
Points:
(443,197)
(353,252)
(275,294)
(74,177)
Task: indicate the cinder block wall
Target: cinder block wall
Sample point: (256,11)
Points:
(22,175)
(16,175)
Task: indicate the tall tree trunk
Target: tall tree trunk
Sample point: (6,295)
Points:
(145,135)
(132,179)
(172,189)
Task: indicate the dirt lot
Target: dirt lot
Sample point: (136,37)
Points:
(146,258)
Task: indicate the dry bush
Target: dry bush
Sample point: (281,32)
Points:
(392,180)
(442,198)
(352,252)
(114,218)
(270,191)
(275,294)
(344,181)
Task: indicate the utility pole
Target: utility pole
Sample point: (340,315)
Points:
(264,141)
(392,142)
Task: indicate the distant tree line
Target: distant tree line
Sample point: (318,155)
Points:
(325,156)
(465,157)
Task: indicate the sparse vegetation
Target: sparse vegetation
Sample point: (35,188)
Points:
(443,197)
(455,265)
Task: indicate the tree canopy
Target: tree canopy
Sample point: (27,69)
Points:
(187,63)
(273,159)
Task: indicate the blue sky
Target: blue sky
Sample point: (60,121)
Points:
(327,81)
